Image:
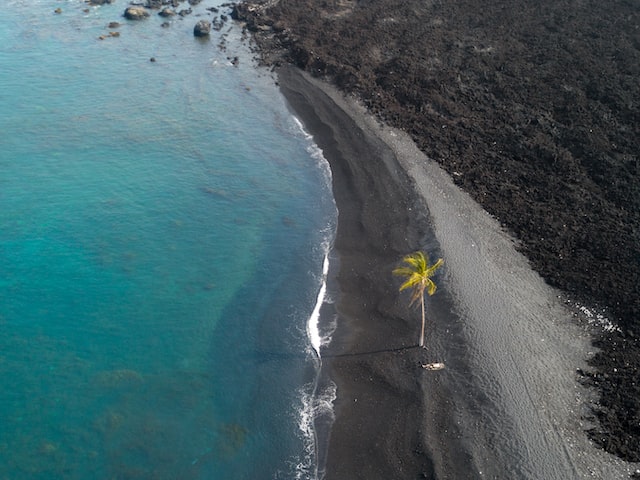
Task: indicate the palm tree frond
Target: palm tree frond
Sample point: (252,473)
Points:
(431,287)
(411,282)
(403,271)
(417,260)
(431,270)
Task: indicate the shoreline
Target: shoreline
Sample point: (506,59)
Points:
(392,418)
(531,117)
(363,249)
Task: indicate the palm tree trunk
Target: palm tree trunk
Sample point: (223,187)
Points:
(422,330)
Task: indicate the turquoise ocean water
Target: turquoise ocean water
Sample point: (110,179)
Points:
(163,227)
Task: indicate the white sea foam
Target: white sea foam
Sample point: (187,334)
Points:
(316,401)
(301,128)
(315,406)
(313,149)
(312,326)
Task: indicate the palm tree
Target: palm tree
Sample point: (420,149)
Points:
(418,275)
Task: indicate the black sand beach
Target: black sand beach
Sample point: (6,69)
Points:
(393,418)
(533,110)
(376,377)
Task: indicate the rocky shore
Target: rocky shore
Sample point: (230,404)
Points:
(533,110)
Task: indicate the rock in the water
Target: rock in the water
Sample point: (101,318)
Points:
(155,4)
(136,13)
(167,12)
(99,2)
(202,28)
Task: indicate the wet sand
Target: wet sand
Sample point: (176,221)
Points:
(509,404)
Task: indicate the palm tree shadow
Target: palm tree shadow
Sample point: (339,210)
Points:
(271,356)
(371,352)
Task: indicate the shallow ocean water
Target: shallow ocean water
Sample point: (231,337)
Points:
(163,227)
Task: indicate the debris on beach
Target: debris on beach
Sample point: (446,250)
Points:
(433,366)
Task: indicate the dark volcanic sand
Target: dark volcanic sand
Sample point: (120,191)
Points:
(507,405)
(376,379)
(532,107)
